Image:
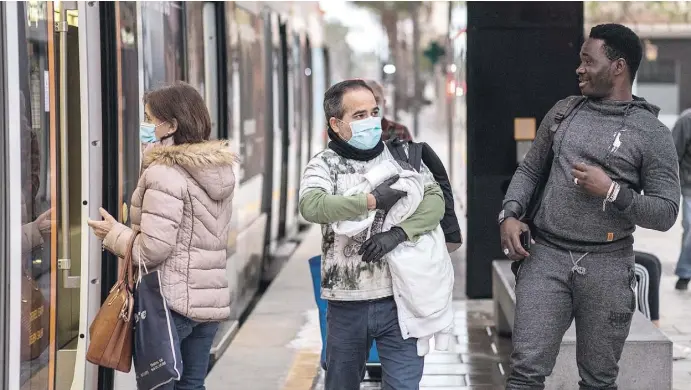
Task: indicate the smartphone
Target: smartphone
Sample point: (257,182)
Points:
(526,239)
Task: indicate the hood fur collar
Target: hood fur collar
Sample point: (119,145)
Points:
(203,154)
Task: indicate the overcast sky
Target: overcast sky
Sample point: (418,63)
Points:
(366,34)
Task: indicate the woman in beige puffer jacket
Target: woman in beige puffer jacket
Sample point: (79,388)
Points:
(182,207)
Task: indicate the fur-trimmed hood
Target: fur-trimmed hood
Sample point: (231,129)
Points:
(210,164)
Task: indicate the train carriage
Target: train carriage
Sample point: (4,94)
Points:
(74,77)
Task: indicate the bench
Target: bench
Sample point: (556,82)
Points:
(646,362)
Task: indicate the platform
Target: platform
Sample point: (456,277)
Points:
(274,347)
(278,347)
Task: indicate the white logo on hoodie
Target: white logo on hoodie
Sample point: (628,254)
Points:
(616,144)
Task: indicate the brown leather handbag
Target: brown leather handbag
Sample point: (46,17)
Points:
(111,331)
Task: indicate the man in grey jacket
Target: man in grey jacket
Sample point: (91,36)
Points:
(682,139)
(614,168)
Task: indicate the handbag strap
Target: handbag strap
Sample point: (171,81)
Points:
(140,264)
(126,275)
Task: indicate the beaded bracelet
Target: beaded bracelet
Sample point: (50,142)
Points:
(611,194)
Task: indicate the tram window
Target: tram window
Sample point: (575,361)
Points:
(194,20)
(162,43)
(251,68)
(233,84)
(37,199)
(297,86)
(127,67)
(202,63)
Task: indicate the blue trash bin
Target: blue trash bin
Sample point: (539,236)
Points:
(315,270)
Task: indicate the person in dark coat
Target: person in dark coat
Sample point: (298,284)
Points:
(390,129)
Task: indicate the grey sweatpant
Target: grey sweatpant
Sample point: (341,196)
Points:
(553,287)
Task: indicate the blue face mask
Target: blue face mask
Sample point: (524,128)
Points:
(366,133)
(147,133)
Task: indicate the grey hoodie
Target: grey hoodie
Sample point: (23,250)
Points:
(632,146)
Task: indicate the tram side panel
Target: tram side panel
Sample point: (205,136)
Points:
(248,75)
(275,246)
(246,130)
(278,129)
(295,133)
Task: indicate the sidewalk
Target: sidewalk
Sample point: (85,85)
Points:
(478,360)
(278,346)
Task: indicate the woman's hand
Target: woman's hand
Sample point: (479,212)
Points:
(102,228)
(44,222)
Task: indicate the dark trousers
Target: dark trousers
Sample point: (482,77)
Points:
(351,327)
(553,288)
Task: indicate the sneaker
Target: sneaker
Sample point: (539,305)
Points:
(680,352)
(682,284)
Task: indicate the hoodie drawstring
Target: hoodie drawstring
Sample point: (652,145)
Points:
(579,269)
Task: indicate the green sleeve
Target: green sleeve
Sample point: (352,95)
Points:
(317,206)
(428,213)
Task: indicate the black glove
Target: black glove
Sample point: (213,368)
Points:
(386,196)
(381,243)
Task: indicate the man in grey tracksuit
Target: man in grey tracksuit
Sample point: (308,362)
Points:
(614,167)
(682,139)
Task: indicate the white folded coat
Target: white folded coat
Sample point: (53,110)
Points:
(421,271)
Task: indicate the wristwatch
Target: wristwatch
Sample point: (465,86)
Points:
(506,214)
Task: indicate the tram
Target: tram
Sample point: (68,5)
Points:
(74,74)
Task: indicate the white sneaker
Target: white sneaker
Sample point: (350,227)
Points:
(680,352)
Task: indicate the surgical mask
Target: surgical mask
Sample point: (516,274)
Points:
(366,133)
(147,133)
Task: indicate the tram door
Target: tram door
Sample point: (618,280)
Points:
(52,188)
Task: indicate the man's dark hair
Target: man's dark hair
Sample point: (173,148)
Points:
(620,42)
(333,97)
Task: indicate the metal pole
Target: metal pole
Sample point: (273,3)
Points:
(61,28)
(65,259)
(416,70)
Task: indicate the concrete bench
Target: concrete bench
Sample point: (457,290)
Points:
(646,362)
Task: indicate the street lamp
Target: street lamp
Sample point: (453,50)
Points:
(389,68)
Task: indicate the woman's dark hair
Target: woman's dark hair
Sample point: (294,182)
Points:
(180,101)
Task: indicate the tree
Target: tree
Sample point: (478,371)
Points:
(642,12)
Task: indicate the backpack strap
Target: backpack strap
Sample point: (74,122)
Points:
(396,149)
(415,155)
(564,110)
